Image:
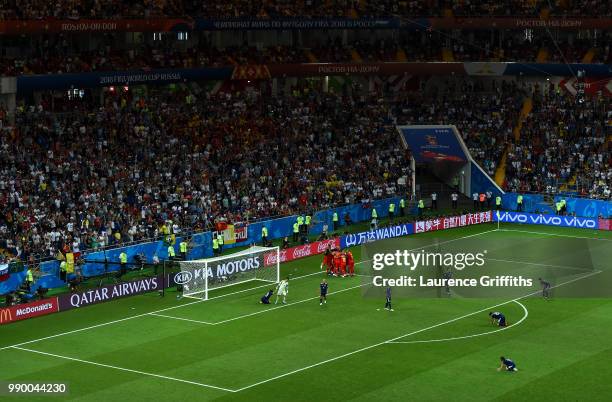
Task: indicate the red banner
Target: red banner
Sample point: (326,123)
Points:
(519,23)
(57,26)
(52,25)
(251,72)
(28,310)
(592,86)
(293,253)
(605,224)
(322,69)
(453,222)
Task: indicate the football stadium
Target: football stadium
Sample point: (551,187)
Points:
(308,200)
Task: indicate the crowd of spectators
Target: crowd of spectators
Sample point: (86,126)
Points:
(563,142)
(486,125)
(117,172)
(110,173)
(40,9)
(54,55)
(55,58)
(506,8)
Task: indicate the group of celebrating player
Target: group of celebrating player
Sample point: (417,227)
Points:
(338,262)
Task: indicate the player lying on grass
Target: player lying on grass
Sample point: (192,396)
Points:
(282,289)
(507,365)
(323,294)
(266,298)
(497,318)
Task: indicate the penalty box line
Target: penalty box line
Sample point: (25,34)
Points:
(144,373)
(156,313)
(392,340)
(192,303)
(262,311)
(18,347)
(139,315)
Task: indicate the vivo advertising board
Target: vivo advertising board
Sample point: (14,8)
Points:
(549,220)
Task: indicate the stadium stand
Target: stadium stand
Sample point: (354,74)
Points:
(150,148)
(193,161)
(53,54)
(35,9)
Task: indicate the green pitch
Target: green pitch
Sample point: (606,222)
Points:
(148,348)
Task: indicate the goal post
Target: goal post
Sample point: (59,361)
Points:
(256,263)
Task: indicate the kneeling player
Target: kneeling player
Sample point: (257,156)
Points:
(497,318)
(323,295)
(266,298)
(507,365)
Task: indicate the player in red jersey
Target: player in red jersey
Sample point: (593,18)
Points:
(343,263)
(328,261)
(350,262)
(337,262)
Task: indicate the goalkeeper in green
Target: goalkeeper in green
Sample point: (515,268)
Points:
(282,289)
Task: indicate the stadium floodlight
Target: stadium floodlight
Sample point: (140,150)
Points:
(253,264)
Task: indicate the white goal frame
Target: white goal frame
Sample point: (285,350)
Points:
(198,269)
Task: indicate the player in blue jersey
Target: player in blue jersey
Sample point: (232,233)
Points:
(498,318)
(266,298)
(388,302)
(323,295)
(545,288)
(507,365)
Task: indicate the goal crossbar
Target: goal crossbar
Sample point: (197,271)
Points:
(253,264)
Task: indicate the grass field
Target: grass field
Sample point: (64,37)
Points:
(148,348)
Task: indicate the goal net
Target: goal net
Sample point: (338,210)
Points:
(254,264)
